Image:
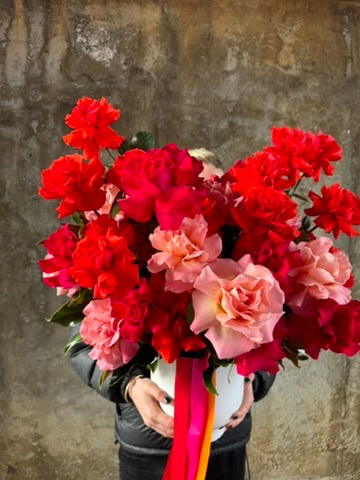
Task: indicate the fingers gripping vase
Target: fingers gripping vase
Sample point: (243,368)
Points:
(229,385)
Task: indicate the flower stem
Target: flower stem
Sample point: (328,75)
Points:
(111,155)
(295,187)
(300,197)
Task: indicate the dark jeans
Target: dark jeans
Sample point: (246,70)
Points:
(228,465)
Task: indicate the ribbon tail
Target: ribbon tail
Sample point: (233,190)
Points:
(177,464)
(197,416)
(207,432)
(193,422)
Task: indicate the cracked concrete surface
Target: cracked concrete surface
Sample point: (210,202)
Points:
(214,74)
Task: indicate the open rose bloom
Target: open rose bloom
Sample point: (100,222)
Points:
(158,251)
(238,305)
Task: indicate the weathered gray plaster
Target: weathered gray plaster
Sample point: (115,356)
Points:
(214,73)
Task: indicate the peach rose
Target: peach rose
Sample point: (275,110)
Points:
(322,272)
(238,303)
(183,253)
(102,332)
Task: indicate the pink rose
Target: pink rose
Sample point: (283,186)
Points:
(238,303)
(102,332)
(183,253)
(321,272)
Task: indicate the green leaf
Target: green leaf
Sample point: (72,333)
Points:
(306,223)
(74,340)
(207,378)
(81,297)
(125,146)
(224,362)
(153,365)
(71,312)
(104,375)
(114,209)
(143,140)
(77,219)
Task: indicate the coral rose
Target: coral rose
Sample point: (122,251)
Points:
(238,303)
(102,332)
(184,252)
(322,273)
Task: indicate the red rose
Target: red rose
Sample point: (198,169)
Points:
(325,325)
(328,151)
(145,176)
(77,183)
(298,146)
(175,337)
(216,206)
(103,261)
(117,174)
(264,169)
(132,311)
(176,203)
(307,153)
(90,120)
(337,210)
(266,357)
(264,210)
(345,325)
(274,255)
(60,246)
(168,321)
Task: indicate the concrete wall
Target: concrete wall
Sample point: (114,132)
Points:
(214,73)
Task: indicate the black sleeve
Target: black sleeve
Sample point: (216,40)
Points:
(89,372)
(262,384)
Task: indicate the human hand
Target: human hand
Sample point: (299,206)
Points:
(147,396)
(248,400)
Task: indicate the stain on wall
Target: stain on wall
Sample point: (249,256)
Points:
(217,74)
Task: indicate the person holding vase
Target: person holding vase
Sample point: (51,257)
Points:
(145,431)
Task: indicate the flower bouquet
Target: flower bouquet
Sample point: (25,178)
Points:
(219,267)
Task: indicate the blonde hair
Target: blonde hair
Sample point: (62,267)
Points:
(212,165)
(205,156)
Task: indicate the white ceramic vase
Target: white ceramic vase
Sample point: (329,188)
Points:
(229,385)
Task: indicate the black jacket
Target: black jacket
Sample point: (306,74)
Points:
(130,430)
